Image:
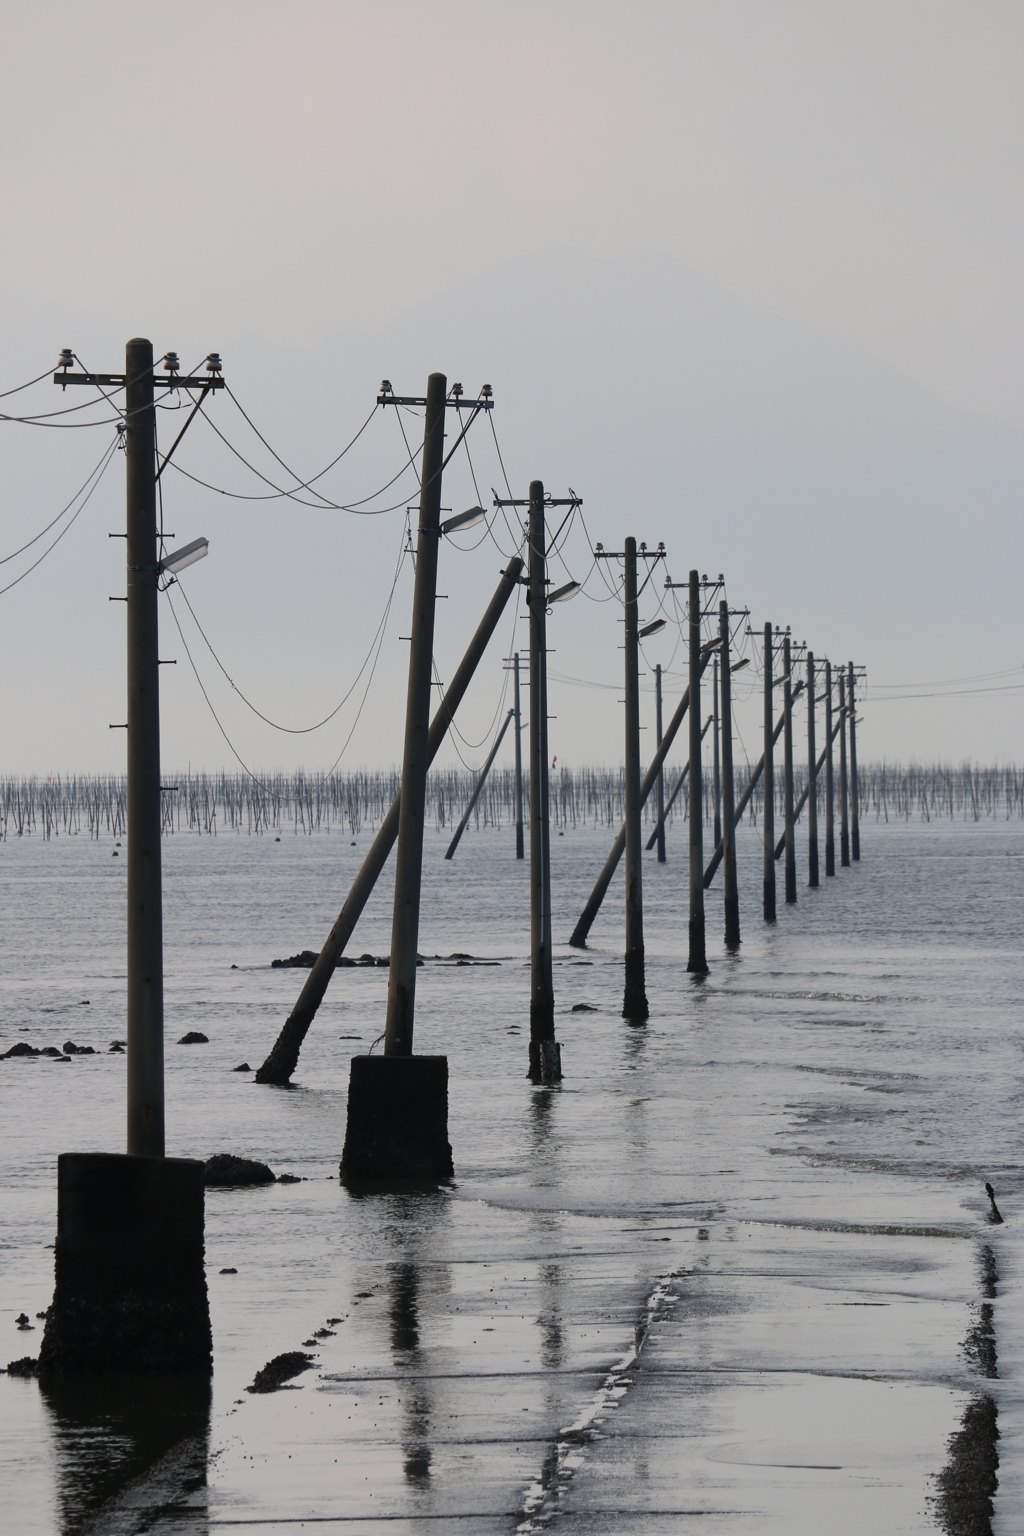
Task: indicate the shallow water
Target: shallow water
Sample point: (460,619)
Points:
(725,1270)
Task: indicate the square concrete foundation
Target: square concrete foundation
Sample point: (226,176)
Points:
(130,1292)
(397,1120)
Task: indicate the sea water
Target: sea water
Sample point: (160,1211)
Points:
(722,1276)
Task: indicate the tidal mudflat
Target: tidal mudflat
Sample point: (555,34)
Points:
(730,1275)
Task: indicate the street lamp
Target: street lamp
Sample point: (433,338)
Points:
(462,520)
(187,555)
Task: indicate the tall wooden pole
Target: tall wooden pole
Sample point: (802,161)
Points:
(844,783)
(854,787)
(405,924)
(545,1065)
(732,904)
(787,761)
(697,961)
(716,781)
(519,761)
(634,1002)
(145,1024)
(812,779)
(660,834)
(830,788)
(768,819)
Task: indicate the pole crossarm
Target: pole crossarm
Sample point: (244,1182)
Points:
(202,381)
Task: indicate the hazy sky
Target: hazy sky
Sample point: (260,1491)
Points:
(272,180)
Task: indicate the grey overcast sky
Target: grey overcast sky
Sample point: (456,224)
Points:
(804,218)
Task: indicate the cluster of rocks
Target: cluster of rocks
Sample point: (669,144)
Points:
(307,958)
(226,1171)
(64,1053)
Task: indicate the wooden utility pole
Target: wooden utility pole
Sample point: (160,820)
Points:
(716,778)
(145,912)
(812,779)
(728,834)
(634,1003)
(519,760)
(545,1054)
(660,830)
(787,760)
(830,788)
(697,961)
(405,926)
(844,784)
(768,820)
(854,787)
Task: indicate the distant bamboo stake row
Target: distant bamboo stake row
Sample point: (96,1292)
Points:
(303,803)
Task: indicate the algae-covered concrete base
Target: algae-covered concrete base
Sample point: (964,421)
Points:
(397,1119)
(130,1292)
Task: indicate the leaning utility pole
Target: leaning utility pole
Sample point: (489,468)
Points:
(519,759)
(812,779)
(732,904)
(854,787)
(660,832)
(830,790)
(634,1003)
(768,827)
(697,961)
(787,758)
(844,787)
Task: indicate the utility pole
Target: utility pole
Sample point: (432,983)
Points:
(519,759)
(398,1029)
(545,1051)
(130,1290)
(697,961)
(830,792)
(812,779)
(634,1003)
(854,787)
(787,751)
(768,820)
(732,904)
(661,769)
(398,1103)
(844,784)
(717,771)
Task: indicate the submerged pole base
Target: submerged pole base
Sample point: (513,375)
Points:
(397,1120)
(698,961)
(545,1061)
(634,1000)
(130,1292)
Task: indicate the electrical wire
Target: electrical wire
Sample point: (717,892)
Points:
(19,387)
(95,476)
(305,730)
(43,531)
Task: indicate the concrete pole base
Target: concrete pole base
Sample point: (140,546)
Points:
(397,1128)
(545,1061)
(697,962)
(130,1292)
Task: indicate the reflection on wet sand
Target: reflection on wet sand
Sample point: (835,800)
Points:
(129,1443)
(403,1315)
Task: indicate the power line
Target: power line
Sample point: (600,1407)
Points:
(95,476)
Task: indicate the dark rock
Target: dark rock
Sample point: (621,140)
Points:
(288,1178)
(303,961)
(116,1049)
(51,1050)
(456,955)
(242,1067)
(84,1003)
(194,1037)
(993,1215)
(22,1049)
(26,1366)
(332,1320)
(229,1271)
(71,1049)
(344,962)
(121,1043)
(279,1370)
(367,960)
(584,1008)
(224,1170)
(23,1323)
